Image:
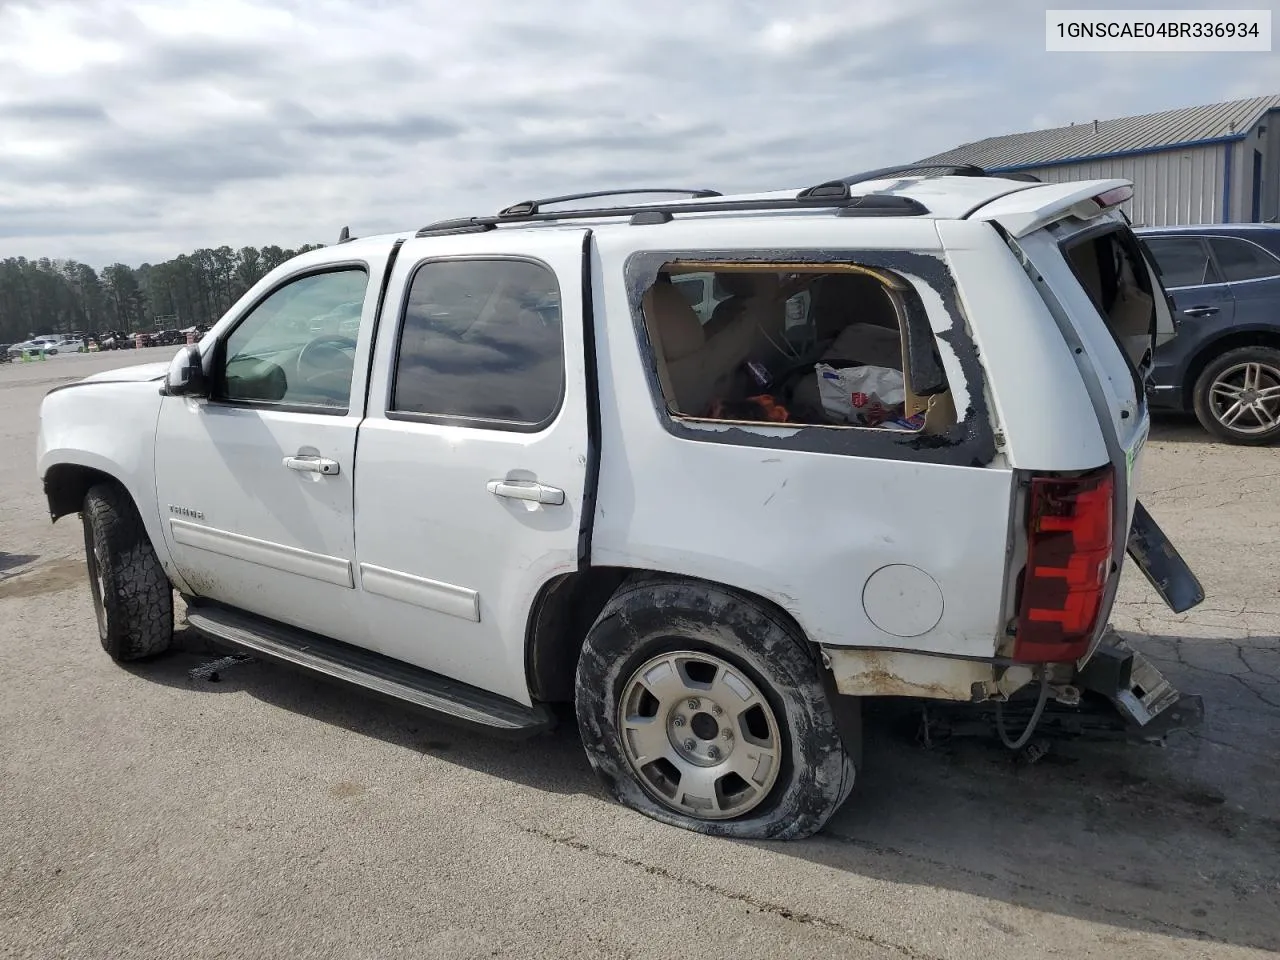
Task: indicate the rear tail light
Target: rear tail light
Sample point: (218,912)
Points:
(1069,542)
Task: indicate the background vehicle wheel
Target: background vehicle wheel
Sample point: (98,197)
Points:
(703,710)
(132,597)
(1237,396)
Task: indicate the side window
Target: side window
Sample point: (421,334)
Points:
(1242,260)
(481,340)
(1184,261)
(819,345)
(298,345)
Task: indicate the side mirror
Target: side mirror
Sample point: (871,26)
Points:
(186,375)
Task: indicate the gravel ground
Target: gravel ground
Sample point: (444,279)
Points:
(143,814)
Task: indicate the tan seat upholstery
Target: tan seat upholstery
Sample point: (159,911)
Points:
(676,335)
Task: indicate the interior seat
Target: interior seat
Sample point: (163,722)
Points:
(697,368)
(676,334)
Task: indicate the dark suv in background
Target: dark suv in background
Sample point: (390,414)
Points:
(1224,365)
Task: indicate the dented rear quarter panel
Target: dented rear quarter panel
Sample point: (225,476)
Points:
(803,528)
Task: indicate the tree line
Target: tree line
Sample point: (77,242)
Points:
(61,296)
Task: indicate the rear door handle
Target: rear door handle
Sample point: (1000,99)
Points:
(526,490)
(1200,311)
(320,465)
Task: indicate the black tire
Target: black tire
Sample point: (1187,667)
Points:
(132,597)
(1250,430)
(652,617)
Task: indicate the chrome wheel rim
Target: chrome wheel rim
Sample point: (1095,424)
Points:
(1245,398)
(699,735)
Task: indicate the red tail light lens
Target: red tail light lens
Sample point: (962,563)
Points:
(1113,197)
(1069,542)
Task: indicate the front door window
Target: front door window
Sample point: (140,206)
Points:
(297,346)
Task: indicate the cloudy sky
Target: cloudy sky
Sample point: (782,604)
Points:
(138,131)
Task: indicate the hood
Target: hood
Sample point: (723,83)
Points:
(138,373)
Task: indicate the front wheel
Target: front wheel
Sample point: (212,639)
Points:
(1237,396)
(701,708)
(132,597)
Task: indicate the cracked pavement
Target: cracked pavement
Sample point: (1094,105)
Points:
(143,814)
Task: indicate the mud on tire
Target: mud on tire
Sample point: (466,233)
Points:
(132,597)
(658,617)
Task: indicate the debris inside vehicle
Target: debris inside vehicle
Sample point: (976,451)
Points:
(803,345)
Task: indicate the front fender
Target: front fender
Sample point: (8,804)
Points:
(108,429)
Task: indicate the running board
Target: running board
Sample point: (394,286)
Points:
(382,676)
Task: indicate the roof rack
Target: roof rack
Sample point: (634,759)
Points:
(948,170)
(838,189)
(526,207)
(875,205)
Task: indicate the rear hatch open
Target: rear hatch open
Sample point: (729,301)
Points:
(1106,296)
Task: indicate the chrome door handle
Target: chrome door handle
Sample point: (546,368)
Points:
(1200,311)
(320,465)
(526,490)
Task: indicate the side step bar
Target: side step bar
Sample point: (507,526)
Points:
(382,676)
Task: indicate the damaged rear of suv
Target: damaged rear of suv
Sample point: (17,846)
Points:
(711,470)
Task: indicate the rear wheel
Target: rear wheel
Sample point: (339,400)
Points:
(702,709)
(132,597)
(1237,396)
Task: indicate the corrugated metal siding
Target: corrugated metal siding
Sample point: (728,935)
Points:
(1173,187)
(1271,174)
(1146,132)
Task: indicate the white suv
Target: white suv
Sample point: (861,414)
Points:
(503,463)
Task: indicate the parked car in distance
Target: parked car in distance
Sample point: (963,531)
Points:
(47,344)
(1224,364)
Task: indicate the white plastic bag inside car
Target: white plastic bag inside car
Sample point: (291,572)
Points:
(862,396)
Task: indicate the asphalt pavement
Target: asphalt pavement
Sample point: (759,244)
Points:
(145,814)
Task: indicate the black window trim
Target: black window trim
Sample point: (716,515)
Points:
(1209,255)
(1231,236)
(218,372)
(452,420)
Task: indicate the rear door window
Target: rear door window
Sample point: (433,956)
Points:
(1184,261)
(1242,260)
(481,343)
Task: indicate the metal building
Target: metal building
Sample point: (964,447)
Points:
(1213,164)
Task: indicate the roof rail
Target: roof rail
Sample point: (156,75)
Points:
(839,189)
(881,205)
(526,207)
(948,170)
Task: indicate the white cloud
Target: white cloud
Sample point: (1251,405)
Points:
(138,131)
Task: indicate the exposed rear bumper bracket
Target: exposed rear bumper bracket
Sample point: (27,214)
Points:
(1146,701)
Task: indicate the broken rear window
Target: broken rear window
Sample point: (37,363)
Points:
(798,344)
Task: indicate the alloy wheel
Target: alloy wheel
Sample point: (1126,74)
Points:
(700,735)
(1245,398)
